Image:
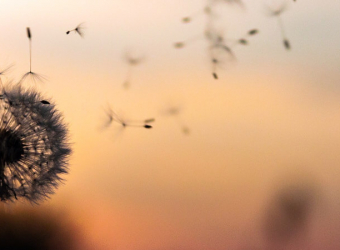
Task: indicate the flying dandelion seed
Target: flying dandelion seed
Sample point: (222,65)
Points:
(276,12)
(132,62)
(179,45)
(220,52)
(244,39)
(219,48)
(113,117)
(79,30)
(33,145)
(186,19)
(205,11)
(31,75)
(175,111)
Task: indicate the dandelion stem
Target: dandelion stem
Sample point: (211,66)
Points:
(279,20)
(30,55)
(29,35)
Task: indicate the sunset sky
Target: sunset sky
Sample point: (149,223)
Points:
(271,121)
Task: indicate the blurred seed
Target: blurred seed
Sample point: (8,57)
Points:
(79,30)
(149,120)
(253,32)
(243,41)
(28,33)
(207,10)
(286,44)
(147,126)
(186,20)
(179,45)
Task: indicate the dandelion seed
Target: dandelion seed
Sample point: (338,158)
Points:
(45,102)
(149,120)
(219,51)
(206,10)
(185,130)
(276,12)
(286,44)
(132,62)
(28,33)
(186,19)
(79,30)
(33,146)
(112,116)
(34,77)
(31,75)
(175,111)
(218,47)
(253,32)
(243,41)
(179,45)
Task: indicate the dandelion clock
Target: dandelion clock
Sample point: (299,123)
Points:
(34,146)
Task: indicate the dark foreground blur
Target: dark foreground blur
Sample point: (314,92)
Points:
(35,229)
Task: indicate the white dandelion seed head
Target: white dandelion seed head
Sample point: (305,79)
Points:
(34,146)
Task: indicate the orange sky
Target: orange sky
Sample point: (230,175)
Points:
(271,118)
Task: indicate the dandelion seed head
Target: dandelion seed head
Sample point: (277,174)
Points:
(34,146)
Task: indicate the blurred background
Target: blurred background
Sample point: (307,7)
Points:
(247,161)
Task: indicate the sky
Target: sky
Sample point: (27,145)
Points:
(268,124)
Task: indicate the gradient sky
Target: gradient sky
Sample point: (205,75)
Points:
(271,119)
